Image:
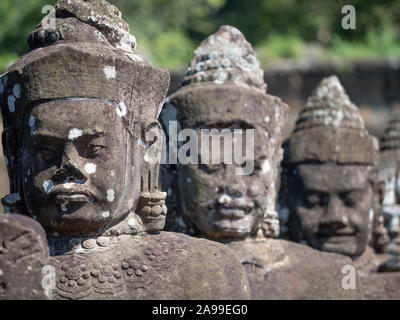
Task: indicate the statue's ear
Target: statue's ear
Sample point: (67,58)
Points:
(151,206)
(153,138)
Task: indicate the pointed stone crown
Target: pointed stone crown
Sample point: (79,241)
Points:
(89,54)
(330,128)
(226,57)
(391,137)
(330,106)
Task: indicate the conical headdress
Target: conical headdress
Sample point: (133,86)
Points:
(330,129)
(226,57)
(391,137)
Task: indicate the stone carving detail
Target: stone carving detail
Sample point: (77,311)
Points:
(330,185)
(87,21)
(237,103)
(389,174)
(220,91)
(226,57)
(80,118)
(329,175)
(119,274)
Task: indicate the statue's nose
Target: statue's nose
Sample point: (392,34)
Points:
(334,216)
(71,167)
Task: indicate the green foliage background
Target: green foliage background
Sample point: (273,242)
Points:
(169,30)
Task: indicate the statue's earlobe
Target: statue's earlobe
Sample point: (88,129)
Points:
(151,206)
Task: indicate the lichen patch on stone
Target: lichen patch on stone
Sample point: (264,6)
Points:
(90,168)
(110,195)
(110,72)
(121,109)
(74,133)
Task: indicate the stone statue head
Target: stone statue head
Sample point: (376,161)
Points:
(329,174)
(389,170)
(80,129)
(223,94)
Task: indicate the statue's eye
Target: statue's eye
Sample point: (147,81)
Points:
(312,200)
(94,148)
(351,198)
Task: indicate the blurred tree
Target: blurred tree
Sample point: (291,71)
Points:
(168,30)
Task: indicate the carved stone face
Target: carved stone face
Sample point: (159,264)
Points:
(331,207)
(222,203)
(389,174)
(75,156)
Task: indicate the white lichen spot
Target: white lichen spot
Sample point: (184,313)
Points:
(68,185)
(188,180)
(224,199)
(110,195)
(79,250)
(48,185)
(1,272)
(132,223)
(11,103)
(90,168)
(17,91)
(266,166)
(112,173)
(105,214)
(266,119)
(110,72)
(121,109)
(74,133)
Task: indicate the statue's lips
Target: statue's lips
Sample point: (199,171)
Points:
(230,213)
(336,235)
(61,194)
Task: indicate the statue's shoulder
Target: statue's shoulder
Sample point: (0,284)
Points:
(301,271)
(163,265)
(208,269)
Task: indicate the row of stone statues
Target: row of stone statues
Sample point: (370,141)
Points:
(80,113)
